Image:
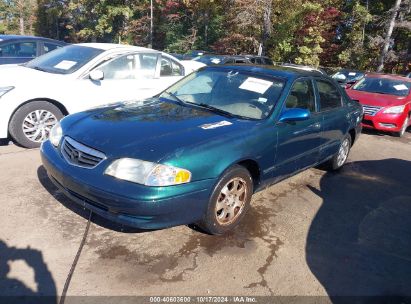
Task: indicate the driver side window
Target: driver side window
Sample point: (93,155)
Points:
(131,66)
(301,96)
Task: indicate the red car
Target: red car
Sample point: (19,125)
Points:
(386,101)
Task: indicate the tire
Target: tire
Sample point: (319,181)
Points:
(403,128)
(31,123)
(340,158)
(234,204)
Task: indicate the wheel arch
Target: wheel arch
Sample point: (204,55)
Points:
(59,105)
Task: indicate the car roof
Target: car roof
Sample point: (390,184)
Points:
(112,46)
(19,37)
(388,76)
(270,70)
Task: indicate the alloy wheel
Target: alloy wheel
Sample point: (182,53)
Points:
(404,127)
(343,152)
(231,201)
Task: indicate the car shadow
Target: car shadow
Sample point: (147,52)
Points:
(4,142)
(359,243)
(76,208)
(13,290)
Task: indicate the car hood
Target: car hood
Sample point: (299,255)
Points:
(15,74)
(375,99)
(149,130)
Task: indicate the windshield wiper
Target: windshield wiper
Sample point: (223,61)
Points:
(175,97)
(214,109)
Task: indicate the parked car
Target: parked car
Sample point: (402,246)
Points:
(198,151)
(222,59)
(260,60)
(34,96)
(348,77)
(16,49)
(304,68)
(386,100)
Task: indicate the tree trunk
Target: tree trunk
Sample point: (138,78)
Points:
(267,24)
(390,29)
(21,19)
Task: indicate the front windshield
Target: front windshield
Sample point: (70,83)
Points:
(65,60)
(208,60)
(348,76)
(235,92)
(383,86)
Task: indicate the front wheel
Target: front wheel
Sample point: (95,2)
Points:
(32,122)
(340,158)
(403,128)
(229,201)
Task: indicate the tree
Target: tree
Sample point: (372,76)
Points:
(390,28)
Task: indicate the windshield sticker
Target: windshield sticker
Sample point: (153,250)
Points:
(216,125)
(215,60)
(65,65)
(400,87)
(256,85)
(262,99)
(352,74)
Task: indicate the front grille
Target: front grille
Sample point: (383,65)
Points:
(371,110)
(80,155)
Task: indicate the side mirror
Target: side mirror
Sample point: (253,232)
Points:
(96,75)
(295,114)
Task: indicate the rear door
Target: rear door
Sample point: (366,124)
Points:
(298,142)
(335,116)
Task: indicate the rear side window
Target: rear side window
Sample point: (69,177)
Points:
(301,96)
(19,49)
(170,67)
(330,97)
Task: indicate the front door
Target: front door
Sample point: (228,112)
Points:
(126,77)
(298,142)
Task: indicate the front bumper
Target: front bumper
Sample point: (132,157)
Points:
(125,202)
(384,122)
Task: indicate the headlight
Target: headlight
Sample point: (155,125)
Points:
(4,90)
(395,110)
(147,173)
(56,133)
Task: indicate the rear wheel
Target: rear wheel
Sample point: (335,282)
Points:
(340,158)
(229,202)
(32,122)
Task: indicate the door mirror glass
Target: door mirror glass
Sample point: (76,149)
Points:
(96,75)
(296,114)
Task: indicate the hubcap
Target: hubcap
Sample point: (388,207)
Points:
(343,152)
(231,201)
(37,125)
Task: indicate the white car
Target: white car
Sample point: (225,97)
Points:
(35,95)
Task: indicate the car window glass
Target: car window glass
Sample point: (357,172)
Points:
(146,64)
(130,66)
(123,67)
(301,96)
(48,47)
(166,67)
(170,67)
(330,97)
(19,49)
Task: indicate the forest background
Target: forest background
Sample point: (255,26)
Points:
(372,35)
